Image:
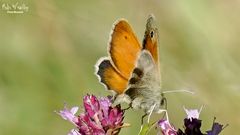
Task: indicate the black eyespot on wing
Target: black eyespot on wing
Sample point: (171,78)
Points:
(151,34)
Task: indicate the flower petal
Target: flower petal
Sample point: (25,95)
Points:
(216,128)
(91,105)
(192,113)
(192,127)
(166,127)
(74,132)
(74,110)
(68,114)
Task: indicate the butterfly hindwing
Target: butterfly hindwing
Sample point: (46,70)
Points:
(110,77)
(145,77)
(144,84)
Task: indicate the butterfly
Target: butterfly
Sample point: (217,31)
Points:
(132,70)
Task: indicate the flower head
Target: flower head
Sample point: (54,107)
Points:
(192,123)
(99,118)
(216,128)
(192,127)
(166,127)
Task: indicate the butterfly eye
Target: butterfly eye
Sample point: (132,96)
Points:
(151,34)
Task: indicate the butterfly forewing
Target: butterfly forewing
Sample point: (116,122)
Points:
(124,48)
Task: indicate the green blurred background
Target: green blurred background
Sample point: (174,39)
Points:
(47,57)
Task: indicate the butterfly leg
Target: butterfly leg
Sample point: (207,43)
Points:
(142,120)
(142,123)
(148,125)
(166,114)
(150,113)
(163,101)
(129,106)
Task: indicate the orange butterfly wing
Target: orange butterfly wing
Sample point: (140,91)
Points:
(150,41)
(110,77)
(124,48)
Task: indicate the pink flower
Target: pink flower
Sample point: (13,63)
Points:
(99,118)
(192,125)
(216,128)
(192,113)
(69,114)
(166,127)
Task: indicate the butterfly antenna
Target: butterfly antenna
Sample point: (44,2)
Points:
(175,91)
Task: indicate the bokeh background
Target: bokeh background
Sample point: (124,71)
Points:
(47,57)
